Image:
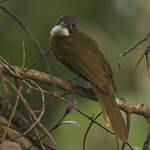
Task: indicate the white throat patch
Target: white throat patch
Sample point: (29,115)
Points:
(59,31)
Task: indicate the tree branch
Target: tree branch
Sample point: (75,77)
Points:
(132,48)
(18,120)
(29,33)
(12,134)
(75,89)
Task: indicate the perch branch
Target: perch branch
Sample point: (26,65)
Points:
(12,134)
(75,89)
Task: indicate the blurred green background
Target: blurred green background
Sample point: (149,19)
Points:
(116,25)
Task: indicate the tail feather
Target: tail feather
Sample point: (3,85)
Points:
(111,112)
(105,116)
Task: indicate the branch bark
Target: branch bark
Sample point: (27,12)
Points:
(13,134)
(75,89)
(18,120)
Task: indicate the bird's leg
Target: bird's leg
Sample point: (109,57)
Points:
(65,93)
(70,79)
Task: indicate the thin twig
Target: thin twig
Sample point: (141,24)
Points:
(37,61)
(146,52)
(117,143)
(139,61)
(128,127)
(27,106)
(10,127)
(85,115)
(74,89)
(88,129)
(23,55)
(32,37)
(13,111)
(60,98)
(42,108)
(51,130)
(18,120)
(67,102)
(147,60)
(128,121)
(8,67)
(42,95)
(4,85)
(132,48)
(146,145)
(12,133)
(37,134)
(19,87)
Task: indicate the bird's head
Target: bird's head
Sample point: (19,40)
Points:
(65,26)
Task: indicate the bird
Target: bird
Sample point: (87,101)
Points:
(81,53)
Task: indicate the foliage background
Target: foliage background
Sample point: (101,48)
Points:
(116,25)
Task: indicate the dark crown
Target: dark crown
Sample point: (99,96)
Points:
(67,21)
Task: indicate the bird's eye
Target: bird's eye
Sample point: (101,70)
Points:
(60,19)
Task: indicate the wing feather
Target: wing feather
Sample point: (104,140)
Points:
(88,60)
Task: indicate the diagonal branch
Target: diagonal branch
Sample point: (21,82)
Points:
(30,34)
(132,48)
(75,89)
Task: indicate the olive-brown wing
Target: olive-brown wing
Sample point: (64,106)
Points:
(89,61)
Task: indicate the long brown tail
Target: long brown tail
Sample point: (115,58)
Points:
(111,110)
